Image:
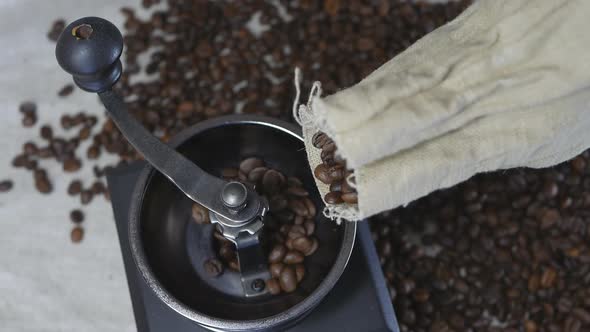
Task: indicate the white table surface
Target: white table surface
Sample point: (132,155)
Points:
(46,282)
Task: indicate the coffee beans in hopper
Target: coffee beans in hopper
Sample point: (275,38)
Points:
(289,226)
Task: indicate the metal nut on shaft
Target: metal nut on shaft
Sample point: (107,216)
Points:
(234,195)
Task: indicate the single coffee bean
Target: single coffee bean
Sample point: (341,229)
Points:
(75,187)
(213,267)
(298,207)
(46,132)
(256,175)
(27,107)
(321,173)
(29,120)
(277,254)
(302,244)
(285,229)
(43,185)
(288,279)
(5,186)
(86,197)
(289,243)
(249,164)
(327,157)
(333,197)
(273,286)
(350,198)
(275,269)
(318,139)
(19,161)
(77,234)
(30,149)
(272,182)
(31,164)
(346,188)
(76,216)
(98,188)
(293,257)
(329,147)
(296,231)
(297,191)
(313,248)
(299,272)
(311,209)
(336,173)
(66,122)
(66,90)
(72,165)
(242,176)
(93,152)
(277,202)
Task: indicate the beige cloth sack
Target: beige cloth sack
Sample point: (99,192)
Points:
(506,84)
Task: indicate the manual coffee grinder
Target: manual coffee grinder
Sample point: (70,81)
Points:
(164,251)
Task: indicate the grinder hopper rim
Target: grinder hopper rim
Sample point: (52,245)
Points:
(289,316)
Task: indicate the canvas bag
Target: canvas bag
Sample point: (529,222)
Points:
(506,84)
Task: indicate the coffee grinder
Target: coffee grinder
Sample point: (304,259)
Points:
(164,251)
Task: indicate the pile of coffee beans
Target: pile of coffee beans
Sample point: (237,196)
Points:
(333,171)
(289,227)
(505,251)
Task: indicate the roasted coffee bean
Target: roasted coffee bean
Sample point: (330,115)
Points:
(272,182)
(43,185)
(30,149)
(77,234)
(19,161)
(288,279)
(277,254)
(289,243)
(255,176)
(93,152)
(311,209)
(56,29)
(319,139)
(296,231)
(350,198)
(294,182)
(86,197)
(66,122)
(313,248)
(302,244)
(321,173)
(273,286)
(297,191)
(84,133)
(72,165)
(75,187)
(336,173)
(29,120)
(247,165)
(5,186)
(333,197)
(299,220)
(200,214)
(213,267)
(46,132)
(66,90)
(275,269)
(98,187)
(298,207)
(76,216)
(277,202)
(299,272)
(27,107)
(293,257)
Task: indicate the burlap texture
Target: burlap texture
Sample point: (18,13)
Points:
(504,85)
